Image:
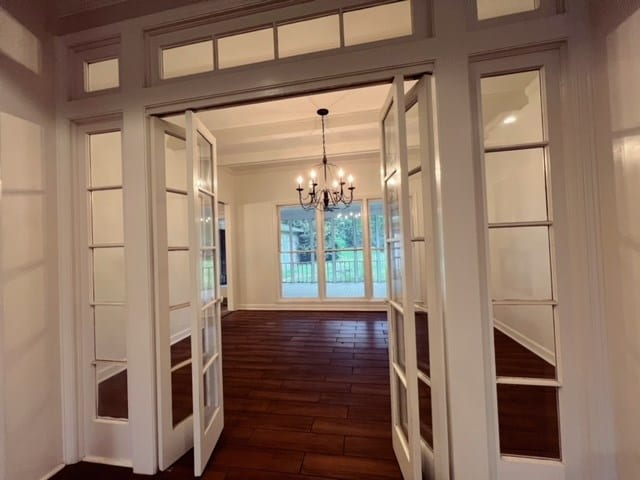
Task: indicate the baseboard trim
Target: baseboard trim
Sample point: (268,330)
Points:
(526,342)
(116,462)
(51,473)
(332,307)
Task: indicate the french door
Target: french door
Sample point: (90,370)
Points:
(188,300)
(416,333)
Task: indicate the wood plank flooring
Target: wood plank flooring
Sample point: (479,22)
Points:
(306,398)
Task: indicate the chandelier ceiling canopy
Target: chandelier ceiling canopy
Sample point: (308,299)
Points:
(331,191)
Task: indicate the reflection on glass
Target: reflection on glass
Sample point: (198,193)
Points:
(528,421)
(181,394)
(179,278)
(107,216)
(422,343)
(391,158)
(512,109)
(208,278)
(520,263)
(105,152)
(179,323)
(413,137)
(493,9)
(108,274)
(525,343)
(110,332)
(416,205)
(177,220)
(378,257)
(516,186)
(403,416)
(207,238)
(393,205)
(175,154)
(210,387)
(343,228)
(111,390)
(205,169)
(209,340)
(398,324)
(396,271)
(426,414)
(419,263)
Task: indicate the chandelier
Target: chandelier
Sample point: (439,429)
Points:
(334,192)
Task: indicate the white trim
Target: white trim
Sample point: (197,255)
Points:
(316,306)
(52,472)
(526,342)
(116,462)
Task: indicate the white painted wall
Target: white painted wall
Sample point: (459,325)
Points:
(258,191)
(30,396)
(617,72)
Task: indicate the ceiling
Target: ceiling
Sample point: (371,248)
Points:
(289,130)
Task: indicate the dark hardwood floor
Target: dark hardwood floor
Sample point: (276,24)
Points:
(307,397)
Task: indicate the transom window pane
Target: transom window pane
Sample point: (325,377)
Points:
(512,109)
(309,36)
(187,59)
(102,75)
(377,23)
(500,8)
(246,48)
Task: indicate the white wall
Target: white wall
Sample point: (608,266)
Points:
(258,191)
(30,396)
(617,75)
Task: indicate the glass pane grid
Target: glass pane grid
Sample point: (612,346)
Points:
(111,390)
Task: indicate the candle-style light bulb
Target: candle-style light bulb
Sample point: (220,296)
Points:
(350,179)
(300,180)
(335,184)
(341,174)
(313,174)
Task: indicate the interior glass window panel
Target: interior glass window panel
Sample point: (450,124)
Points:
(416,205)
(180,335)
(187,59)
(246,48)
(418,264)
(413,137)
(107,216)
(110,332)
(391,155)
(111,394)
(398,325)
(181,394)
(179,277)
(108,275)
(381,22)
(210,390)
(175,153)
(299,275)
(422,342)
(105,152)
(524,339)
(528,421)
(520,263)
(397,287)
(426,413)
(209,340)
(376,224)
(207,237)
(393,205)
(177,220)
(512,109)
(379,273)
(205,166)
(208,276)
(500,8)
(403,415)
(102,75)
(516,186)
(309,36)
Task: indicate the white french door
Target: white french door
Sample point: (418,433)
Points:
(416,330)
(190,403)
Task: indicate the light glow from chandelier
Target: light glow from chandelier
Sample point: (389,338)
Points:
(334,193)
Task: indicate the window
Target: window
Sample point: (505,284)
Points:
(521,266)
(390,20)
(187,59)
(101,75)
(349,267)
(500,8)
(309,36)
(245,48)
